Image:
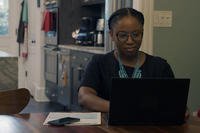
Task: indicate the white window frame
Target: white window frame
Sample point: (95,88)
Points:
(8,42)
(3,36)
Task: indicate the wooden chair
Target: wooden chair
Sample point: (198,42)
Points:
(13,101)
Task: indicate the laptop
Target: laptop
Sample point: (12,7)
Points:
(148,101)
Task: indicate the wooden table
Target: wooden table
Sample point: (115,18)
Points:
(33,123)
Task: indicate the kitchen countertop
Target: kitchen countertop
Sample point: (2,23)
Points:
(5,54)
(89,49)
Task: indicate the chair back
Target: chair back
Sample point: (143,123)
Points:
(13,101)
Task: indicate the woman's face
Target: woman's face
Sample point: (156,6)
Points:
(127,34)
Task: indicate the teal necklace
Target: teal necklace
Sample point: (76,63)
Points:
(137,73)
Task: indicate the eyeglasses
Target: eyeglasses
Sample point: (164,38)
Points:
(123,36)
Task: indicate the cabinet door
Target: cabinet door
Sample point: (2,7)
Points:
(78,66)
(51,61)
(51,91)
(64,78)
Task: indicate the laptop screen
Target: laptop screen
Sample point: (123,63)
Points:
(148,101)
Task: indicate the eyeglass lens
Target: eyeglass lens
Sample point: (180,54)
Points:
(123,36)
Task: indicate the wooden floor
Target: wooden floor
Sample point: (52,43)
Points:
(35,107)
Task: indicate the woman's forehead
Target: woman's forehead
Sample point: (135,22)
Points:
(128,23)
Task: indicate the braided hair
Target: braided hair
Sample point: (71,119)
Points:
(117,15)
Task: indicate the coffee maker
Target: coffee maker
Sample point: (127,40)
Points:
(86,35)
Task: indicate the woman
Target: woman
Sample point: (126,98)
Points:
(126,30)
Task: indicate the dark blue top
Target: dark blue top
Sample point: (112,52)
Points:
(102,68)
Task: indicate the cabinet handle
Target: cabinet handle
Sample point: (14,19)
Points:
(80,70)
(73,57)
(85,59)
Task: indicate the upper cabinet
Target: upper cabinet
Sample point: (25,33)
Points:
(84,22)
(78,22)
(92,2)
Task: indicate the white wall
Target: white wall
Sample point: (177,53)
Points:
(33,65)
(179,44)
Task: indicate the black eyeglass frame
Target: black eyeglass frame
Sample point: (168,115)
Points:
(135,35)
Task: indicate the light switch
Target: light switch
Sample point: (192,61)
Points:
(162,18)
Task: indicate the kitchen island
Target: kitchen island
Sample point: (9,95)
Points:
(8,71)
(64,70)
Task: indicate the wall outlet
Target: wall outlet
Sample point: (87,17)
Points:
(162,19)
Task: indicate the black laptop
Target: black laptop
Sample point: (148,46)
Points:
(148,101)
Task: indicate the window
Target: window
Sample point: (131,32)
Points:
(4,17)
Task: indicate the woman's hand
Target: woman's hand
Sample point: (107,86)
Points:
(88,98)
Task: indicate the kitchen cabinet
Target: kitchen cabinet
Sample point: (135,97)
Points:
(64,69)
(51,78)
(79,61)
(51,91)
(71,13)
(64,77)
(72,64)
(91,2)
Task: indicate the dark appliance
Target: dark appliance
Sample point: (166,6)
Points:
(51,70)
(50,23)
(87,35)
